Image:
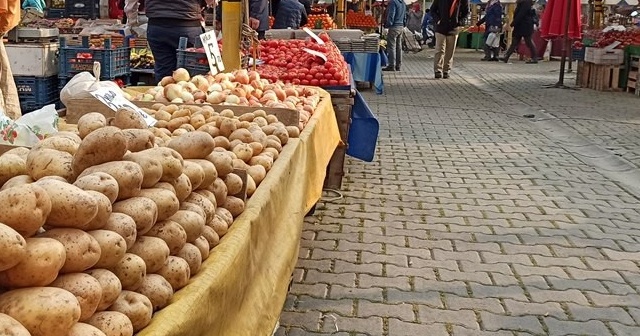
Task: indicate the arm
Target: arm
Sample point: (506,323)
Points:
(435,12)
(391,13)
(304,20)
(131,11)
(464,9)
(481,21)
(256,7)
(522,10)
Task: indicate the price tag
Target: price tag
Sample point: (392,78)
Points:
(315,53)
(313,36)
(368,13)
(210,45)
(114,100)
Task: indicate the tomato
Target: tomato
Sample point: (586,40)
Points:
(328,76)
(337,76)
(324,82)
(315,82)
(333,82)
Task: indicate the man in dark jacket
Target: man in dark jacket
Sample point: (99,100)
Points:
(396,20)
(493,23)
(168,22)
(523,21)
(259,16)
(291,14)
(448,16)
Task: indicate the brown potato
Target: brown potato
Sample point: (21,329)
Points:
(157,289)
(112,246)
(104,211)
(182,186)
(100,146)
(128,118)
(172,233)
(13,247)
(49,162)
(208,207)
(220,190)
(22,152)
(151,168)
(251,186)
(191,254)
(70,206)
(191,222)
(100,182)
(112,323)
(86,288)
(11,165)
(83,329)
(166,186)
(62,144)
(203,245)
(11,327)
(225,215)
(209,195)
(144,212)
(193,145)
(294,131)
(172,162)
(136,306)
(176,271)
(82,250)
(139,139)
(211,236)
(128,174)
(43,260)
(123,225)
(131,271)
(234,184)
(257,173)
(165,200)
(110,287)
(195,172)
(17,181)
(154,251)
(90,122)
(219,225)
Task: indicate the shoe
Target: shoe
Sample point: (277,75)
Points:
(504,59)
(438,75)
(397,68)
(485,59)
(389,69)
(532,62)
(445,75)
(495,59)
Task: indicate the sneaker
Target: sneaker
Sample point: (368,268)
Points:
(389,68)
(504,59)
(438,75)
(445,75)
(398,68)
(495,59)
(532,62)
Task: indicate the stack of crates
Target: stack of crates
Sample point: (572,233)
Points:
(196,63)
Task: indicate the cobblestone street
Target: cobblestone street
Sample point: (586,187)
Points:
(494,207)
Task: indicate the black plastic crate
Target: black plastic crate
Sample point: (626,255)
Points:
(55,13)
(114,62)
(578,54)
(82,9)
(36,92)
(196,63)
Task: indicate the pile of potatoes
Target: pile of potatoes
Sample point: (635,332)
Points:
(102,226)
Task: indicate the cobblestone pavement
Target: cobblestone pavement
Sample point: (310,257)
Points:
(472,220)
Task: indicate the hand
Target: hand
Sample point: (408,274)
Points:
(478,24)
(211,3)
(218,25)
(254,23)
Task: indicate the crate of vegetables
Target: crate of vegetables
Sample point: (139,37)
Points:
(193,59)
(114,61)
(604,56)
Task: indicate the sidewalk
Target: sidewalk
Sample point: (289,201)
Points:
(477,220)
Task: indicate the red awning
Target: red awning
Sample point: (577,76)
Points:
(553,19)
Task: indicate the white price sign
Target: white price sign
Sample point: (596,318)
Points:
(210,44)
(316,53)
(115,100)
(313,36)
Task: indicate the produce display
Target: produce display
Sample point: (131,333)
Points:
(241,88)
(107,222)
(320,21)
(604,38)
(360,20)
(142,58)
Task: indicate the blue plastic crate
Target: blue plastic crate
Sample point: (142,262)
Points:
(196,63)
(36,92)
(54,13)
(114,62)
(578,54)
(82,9)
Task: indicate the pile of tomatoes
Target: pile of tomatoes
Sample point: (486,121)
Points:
(626,38)
(360,20)
(286,60)
(320,21)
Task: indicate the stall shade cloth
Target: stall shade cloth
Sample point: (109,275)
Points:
(553,19)
(242,286)
(366,67)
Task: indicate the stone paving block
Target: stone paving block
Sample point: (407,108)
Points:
(464,318)
(369,268)
(345,279)
(451,265)
(502,292)
(366,325)
(463,303)
(479,277)
(319,254)
(398,260)
(446,255)
(401,328)
(426,298)
(409,251)
(526,249)
(372,294)
(496,322)
(584,313)
(494,258)
(560,262)
(624,330)
(591,252)
(619,288)
(570,295)
(320,265)
(344,307)
(401,311)
(539,270)
(468,266)
(608,300)
(581,274)
(517,308)
(317,290)
(564,284)
(461,331)
(394,271)
(399,282)
(309,320)
(454,287)
(556,327)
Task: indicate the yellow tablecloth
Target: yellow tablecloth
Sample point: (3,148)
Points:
(241,288)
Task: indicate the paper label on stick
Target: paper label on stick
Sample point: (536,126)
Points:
(114,100)
(313,36)
(612,46)
(210,45)
(316,53)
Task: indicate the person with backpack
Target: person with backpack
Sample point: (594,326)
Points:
(493,23)
(524,18)
(395,22)
(448,15)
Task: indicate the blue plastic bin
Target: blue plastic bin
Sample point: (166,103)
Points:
(36,92)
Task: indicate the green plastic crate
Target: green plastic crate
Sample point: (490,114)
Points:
(477,40)
(464,40)
(629,51)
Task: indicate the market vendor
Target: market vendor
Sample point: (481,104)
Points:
(168,22)
(291,14)
(38,5)
(9,102)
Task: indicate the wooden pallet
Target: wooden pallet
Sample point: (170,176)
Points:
(599,77)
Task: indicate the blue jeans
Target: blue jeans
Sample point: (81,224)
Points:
(164,41)
(394,46)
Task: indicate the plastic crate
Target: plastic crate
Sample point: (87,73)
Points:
(82,9)
(54,13)
(36,92)
(114,62)
(196,63)
(578,54)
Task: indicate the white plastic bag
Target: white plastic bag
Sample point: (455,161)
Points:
(81,85)
(30,128)
(493,40)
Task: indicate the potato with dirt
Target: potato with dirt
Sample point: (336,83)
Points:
(71,206)
(82,250)
(13,247)
(40,266)
(86,288)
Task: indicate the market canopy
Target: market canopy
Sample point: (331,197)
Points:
(555,16)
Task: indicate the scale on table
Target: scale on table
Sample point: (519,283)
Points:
(25,34)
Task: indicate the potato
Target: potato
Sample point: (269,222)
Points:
(86,288)
(203,245)
(251,185)
(82,250)
(39,267)
(22,152)
(227,127)
(256,147)
(247,117)
(239,164)
(104,211)
(176,271)
(241,134)
(209,195)
(243,151)
(131,271)
(151,168)
(257,173)
(163,115)
(225,215)
(128,118)
(139,139)
(91,122)
(193,145)
(195,173)
(219,225)
(154,251)
(293,131)
(43,311)
(182,186)
(211,236)
(234,143)
(17,181)
(157,289)
(175,123)
(210,173)
(100,182)
(112,246)
(264,161)
(109,284)
(198,121)
(165,185)
(11,327)
(222,142)
(106,144)
(272,152)
(172,233)
(191,222)
(211,129)
(49,162)
(83,329)
(136,306)
(123,225)
(261,121)
(70,206)
(268,130)
(144,212)
(165,200)
(61,144)
(172,162)
(219,189)
(194,208)
(128,174)
(112,323)
(13,247)
(191,254)
(259,136)
(282,134)
(233,183)
(11,166)
(208,207)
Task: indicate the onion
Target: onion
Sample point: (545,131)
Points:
(186,96)
(160,97)
(257,84)
(147,97)
(291,92)
(290,105)
(172,91)
(257,93)
(190,87)
(215,97)
(239,92)
(280,93)
(232,99)
(177,101)
(243,101)
(166,81)
(199,95)
(220,77)
(242,76)
(254,76)
(215,87)
(128,96)
(199,80)
(227,85)
(180,75)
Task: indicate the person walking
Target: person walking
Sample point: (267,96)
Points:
(396,20)
(523,21)
(427,29)
(493,23)
(448,15)
(291,14)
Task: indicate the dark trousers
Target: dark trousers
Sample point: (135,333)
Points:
(516,41)
(164,41)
